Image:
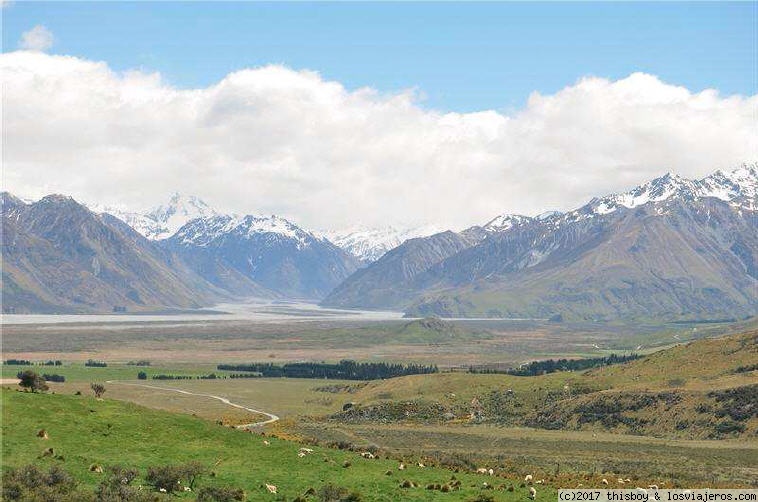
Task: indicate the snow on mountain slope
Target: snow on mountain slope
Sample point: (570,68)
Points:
(163,221)
(369,244)
(203,231)
(505,222)
(738,187)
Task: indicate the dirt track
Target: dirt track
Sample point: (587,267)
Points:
(272,418)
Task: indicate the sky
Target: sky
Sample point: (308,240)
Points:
(345,114)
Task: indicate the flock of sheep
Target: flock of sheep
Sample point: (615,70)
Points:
(453,484)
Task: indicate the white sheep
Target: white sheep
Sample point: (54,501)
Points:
(528,478)
(367,454)
(401,467)
(271,488)
(420,465)
(532,493)
(301,454)
(490,472)
(266,442)
(481,470)
(604,481)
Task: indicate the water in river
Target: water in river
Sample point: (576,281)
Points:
(252,311)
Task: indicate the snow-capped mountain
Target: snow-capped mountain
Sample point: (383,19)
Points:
(370,244)
(506,222)
(669,248)
(271,252)
(738,187)
(204,232)
(163,221)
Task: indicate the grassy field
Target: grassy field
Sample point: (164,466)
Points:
(85,431)
(646,420)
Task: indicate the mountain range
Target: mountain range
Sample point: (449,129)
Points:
(60,257)
(671,248)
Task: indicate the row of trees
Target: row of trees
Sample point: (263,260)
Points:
(344,370)
(552,365)
(26,362)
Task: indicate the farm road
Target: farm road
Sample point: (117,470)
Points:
(272,418)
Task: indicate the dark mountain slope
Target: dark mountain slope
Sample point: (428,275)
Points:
(664,260)
(387,283)
(60,257)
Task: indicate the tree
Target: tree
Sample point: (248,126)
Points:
(98,389)
(142,375)
(32,381)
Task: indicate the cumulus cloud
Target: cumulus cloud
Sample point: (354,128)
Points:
(275,140)
(38,38)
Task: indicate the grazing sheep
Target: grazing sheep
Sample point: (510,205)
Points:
(266,442)
(539,482)
(300,454)
(306,450)
(491,472)
(162,490)
(420,465)
(367,454)
(271,488)
(627,480)
(481,470)
(42,434)
(528,478)
(532,493)
(620,481)
(96,468)
(604,481)
(401,466)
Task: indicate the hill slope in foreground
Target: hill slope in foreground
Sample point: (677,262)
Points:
(84,432)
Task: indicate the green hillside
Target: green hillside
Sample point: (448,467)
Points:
(84,431)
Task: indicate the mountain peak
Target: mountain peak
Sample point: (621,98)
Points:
(505,222)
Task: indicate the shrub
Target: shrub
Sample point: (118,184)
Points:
(98,389)
(30,483)
(220,494)
(32,381)
(117,487)
(334,493)
(169,477)
(95,364)
(141,375)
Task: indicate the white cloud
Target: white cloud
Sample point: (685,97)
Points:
(274,140)
(38,38)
